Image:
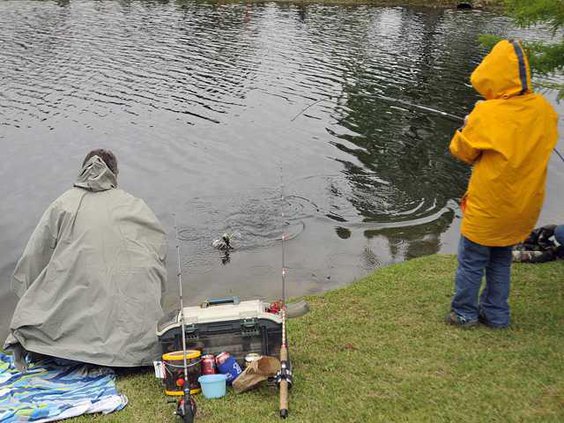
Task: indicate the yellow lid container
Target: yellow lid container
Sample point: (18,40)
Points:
(174,371)
(177,355)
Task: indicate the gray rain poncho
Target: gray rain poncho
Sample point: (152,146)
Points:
(92,275)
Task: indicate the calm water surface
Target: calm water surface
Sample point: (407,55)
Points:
(210,106)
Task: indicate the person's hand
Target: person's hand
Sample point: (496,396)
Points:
(465,123)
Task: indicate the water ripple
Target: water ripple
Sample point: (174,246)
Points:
(204,102)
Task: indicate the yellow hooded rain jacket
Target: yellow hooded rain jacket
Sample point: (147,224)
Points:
(508,138)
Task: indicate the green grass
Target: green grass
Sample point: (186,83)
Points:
(378,351)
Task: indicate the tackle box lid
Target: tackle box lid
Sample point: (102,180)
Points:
(219,310)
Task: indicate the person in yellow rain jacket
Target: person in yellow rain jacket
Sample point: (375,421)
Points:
(508,139)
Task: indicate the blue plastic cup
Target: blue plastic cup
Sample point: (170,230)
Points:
(213,386)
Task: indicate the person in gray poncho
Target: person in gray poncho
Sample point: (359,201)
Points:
(91,277)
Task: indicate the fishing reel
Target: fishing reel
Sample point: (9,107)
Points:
(285,373)
(186,408)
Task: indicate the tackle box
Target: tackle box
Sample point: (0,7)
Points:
(225,324)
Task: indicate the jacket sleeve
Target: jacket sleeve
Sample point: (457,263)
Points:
(37,252)
(468,143)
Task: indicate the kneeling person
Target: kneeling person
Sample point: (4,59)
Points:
(91,277)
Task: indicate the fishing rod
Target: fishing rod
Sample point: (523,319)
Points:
(439,112)
(420,107)
(186,408)
(445,114)
(390,99)
(413,106)
(284,376)
(461,119)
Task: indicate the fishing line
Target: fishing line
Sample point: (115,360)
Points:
(305,108)
(559,155)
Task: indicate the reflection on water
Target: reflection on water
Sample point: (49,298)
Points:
(414,241)
(212,107)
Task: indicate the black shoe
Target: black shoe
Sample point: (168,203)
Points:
(454,319)
(482,319)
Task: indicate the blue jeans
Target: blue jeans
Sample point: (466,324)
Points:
(473,260)
(559,234)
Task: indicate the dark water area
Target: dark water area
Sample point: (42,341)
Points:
(211,108)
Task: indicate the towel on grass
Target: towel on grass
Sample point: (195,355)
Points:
(52,390)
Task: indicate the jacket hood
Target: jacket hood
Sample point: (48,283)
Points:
(504,72)
(96,176)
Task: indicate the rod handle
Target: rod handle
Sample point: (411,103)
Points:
(283,354)
(283,383)
(283,399)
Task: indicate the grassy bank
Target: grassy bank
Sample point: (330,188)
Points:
(378,350)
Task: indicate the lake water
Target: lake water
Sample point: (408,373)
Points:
(251,119)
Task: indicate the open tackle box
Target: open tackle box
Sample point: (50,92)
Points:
(224,324)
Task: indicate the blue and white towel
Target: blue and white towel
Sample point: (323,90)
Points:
(51,390)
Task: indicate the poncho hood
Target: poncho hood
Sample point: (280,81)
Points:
(503,73)
(95,176)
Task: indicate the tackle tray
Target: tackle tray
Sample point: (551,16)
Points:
(224,324)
